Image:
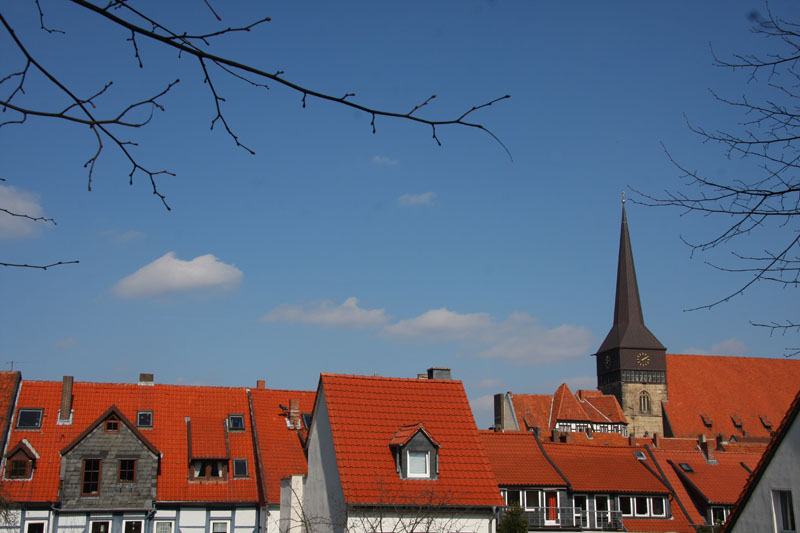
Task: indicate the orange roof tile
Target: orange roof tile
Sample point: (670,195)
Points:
(366,412)
(9,381)
(533,410)
(170,404)
(544,410)
(604,468)
(747,388)
(516,459)
(566,406)
(207,435)
(603,409)
(718,483)
(280,447)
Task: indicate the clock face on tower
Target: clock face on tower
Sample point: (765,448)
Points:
(643,359)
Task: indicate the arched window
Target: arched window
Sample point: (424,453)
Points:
(644,402)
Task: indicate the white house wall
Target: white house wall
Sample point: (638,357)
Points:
(782,473)
(324,499)
(393,522)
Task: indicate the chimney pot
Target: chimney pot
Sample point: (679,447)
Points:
(294,413)
(437,372)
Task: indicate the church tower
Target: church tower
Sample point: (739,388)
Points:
(631,362)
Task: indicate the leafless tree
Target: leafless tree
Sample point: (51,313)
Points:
(766,140)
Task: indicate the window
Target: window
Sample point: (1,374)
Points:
(131,526)
(784,511)
(640,455)
(640,505)
(111,424)
(163,527)
(581,517)
(240,468)
(35,527)
(18,468)
(602,515)
(686,468)
(91,477)
(29,419)
(644,402)
(658,507)
(718,514)
(127,471)
(418,464)
(209,469)
(219,527)
(236,422)
(531,499)
(101,527)
(513,497)
(144,419)
(626,505)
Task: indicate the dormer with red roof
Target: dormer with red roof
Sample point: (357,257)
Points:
(415,452)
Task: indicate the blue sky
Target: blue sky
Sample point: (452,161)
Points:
(336,250)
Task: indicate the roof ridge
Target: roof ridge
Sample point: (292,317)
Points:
(389,378)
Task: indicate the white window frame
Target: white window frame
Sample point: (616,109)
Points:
(101,520)
(632,507)
(168,522)
(427,473)
(606,513)
(246,468)
(537,503)
(29,522)
(725,513)
(663,507)
(546,508)
(636,512)
(777,508)
(226,522)
(126,521)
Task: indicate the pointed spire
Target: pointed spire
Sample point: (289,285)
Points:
(628,330)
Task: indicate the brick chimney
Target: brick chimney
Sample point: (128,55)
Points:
(294,413)
(555,436)
(65,413)
(708,450)
(656,440)
(261,384)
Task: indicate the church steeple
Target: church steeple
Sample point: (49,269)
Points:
(628,330)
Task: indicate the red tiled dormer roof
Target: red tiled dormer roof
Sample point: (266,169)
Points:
(718,483)
(533,410)
(710,394)
(206,438)
(170,404)
(405,433)
(365,414)
(280,447)
(566,406)
(517,459)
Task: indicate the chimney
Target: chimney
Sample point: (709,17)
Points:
(656,440)
(719,441)
(437,372)
(145,379)
(294,413)
(555,436)
(631,440)
(569,438)
(65,413)
(708,451)
(537,430)
(260,384)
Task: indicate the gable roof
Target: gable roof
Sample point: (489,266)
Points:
(566,406)
(718,483)
(280,448)
(406,433)
(124,419)
(170,404)
(747,388)
(517,459)
(9,384)
(365,414)
(545,411)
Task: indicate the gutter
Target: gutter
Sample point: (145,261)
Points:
(560,473)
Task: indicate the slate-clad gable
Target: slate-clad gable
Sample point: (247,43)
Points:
(110,448)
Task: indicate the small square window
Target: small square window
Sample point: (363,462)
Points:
(112,424)
(145,420)
(419,466)
(132,526)
(18,468)
(686,467)
(236,422)
(163,527)
(29,419)
(219,527)
(127,470)
(240,468)
(99,526)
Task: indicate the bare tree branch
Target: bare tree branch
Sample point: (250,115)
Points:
(42,267)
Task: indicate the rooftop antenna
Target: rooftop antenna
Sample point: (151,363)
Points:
(11,364)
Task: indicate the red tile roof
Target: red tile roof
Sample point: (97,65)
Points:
(533,410)
(746,388)
(9,381)
(366,412)
(566,406)
(602,408)
(280,447)
(517,459)
(544,410)
(405,433)
(169,404)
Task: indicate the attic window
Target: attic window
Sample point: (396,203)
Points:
(18,468)
(640,455)
(415,453)
(144,419)
(209,469)
(111,424)
(419,464)
(707,422)
(686,468)
(29,418)
(240,468)
(236,422)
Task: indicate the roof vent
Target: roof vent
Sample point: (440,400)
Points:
(686,468)
(145,379)
(707,422)
(438,372)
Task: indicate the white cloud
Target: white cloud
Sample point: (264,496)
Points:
(441,323)
(20,202)
(534,343)
(348,315)
(411,200)
(488,383)
(63,344)
(383,160)
(732,346)
(168,274)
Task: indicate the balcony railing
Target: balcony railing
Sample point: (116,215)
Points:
(572,518)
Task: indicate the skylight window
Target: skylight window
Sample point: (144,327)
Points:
(29,419)
(144,419)
(240,468)
(236,422)
(685,467)
(640,455)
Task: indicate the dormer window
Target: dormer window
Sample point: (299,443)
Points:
(236,422)
(20,461)
(415,453)
(209,469)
